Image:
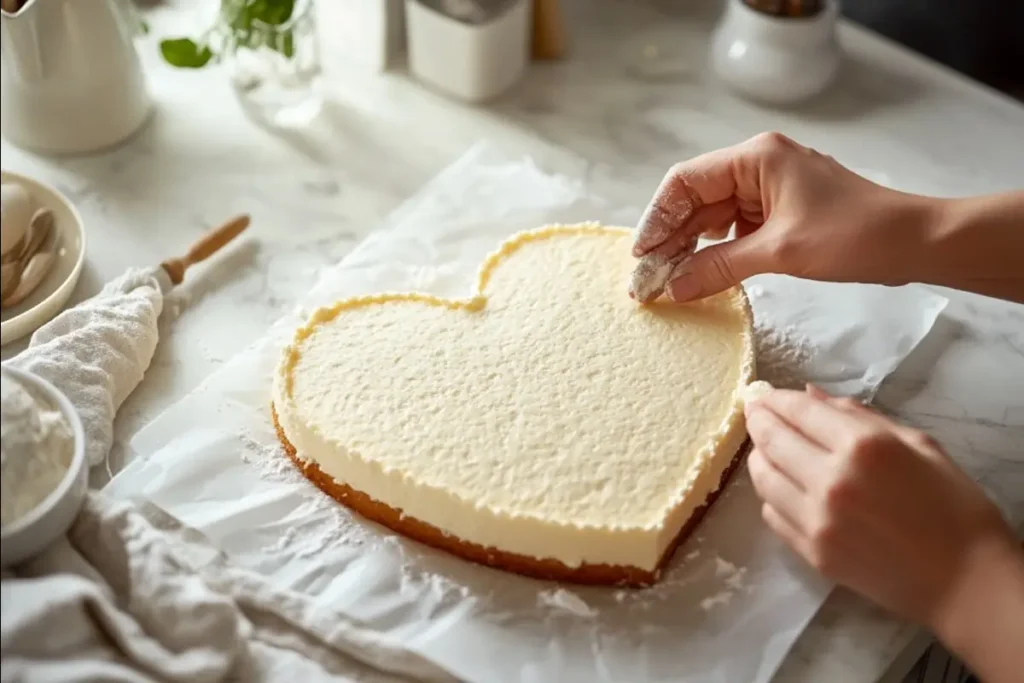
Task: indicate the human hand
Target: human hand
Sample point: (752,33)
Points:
(876,506)
(796,212)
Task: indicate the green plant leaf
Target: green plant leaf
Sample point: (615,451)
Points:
(241,22)
(185,53)
(273,12)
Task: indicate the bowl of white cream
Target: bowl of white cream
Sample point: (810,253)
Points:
(42,457)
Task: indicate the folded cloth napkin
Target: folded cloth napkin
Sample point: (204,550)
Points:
(131,594)
(134,595)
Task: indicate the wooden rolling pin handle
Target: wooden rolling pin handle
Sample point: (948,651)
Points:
(206,247)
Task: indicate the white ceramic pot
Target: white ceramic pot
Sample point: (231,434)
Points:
(776,60)
(71,78)
(471,61)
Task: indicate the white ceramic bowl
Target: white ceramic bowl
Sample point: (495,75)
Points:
(55,290)
(52,517)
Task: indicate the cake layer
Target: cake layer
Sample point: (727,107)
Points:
(547,417)
(548,569)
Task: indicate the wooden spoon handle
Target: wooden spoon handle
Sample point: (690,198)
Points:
(206,247)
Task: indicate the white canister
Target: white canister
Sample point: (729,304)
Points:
(777,60)
(366,32)
(471,61)
(71,80)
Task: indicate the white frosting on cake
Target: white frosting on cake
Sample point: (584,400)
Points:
(549,416)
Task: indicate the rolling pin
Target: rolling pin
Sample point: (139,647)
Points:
(206,247)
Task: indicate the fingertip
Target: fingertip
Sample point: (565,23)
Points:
(654,227)
(645,242)
(751,406)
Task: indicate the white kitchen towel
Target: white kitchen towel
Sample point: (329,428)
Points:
(133,595)
(97,352)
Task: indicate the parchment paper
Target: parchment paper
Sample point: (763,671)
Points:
(733,601)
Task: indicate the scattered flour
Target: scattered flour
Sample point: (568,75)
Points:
(724,567)
(335,524)
(734,580)
(738,580)
(734,576)
(327,523)
(718,599)
(568,601)
(782,355)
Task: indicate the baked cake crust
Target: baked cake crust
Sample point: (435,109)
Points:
(534,567)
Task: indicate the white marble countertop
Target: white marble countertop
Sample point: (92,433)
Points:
(633,99)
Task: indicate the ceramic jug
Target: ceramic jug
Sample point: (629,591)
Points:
(776,60)
(71,78)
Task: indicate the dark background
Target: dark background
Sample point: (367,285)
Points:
(983,39)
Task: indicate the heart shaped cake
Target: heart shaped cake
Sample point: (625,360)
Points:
(548,425)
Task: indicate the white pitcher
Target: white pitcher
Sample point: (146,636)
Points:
(71,78)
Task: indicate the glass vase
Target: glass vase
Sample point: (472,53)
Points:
(275,68)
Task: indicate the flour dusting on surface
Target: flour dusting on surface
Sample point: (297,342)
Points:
(721,598)
(732,580)
(782,355)
(724,567)
(567,601)
(338,525)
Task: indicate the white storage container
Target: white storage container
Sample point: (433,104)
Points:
(471,60)
(366,32)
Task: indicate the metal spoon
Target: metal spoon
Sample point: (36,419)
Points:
(11,277)
(38,230)
(23,275)
(34,272)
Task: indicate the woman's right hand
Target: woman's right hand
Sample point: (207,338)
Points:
(796,212)
(880,508)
